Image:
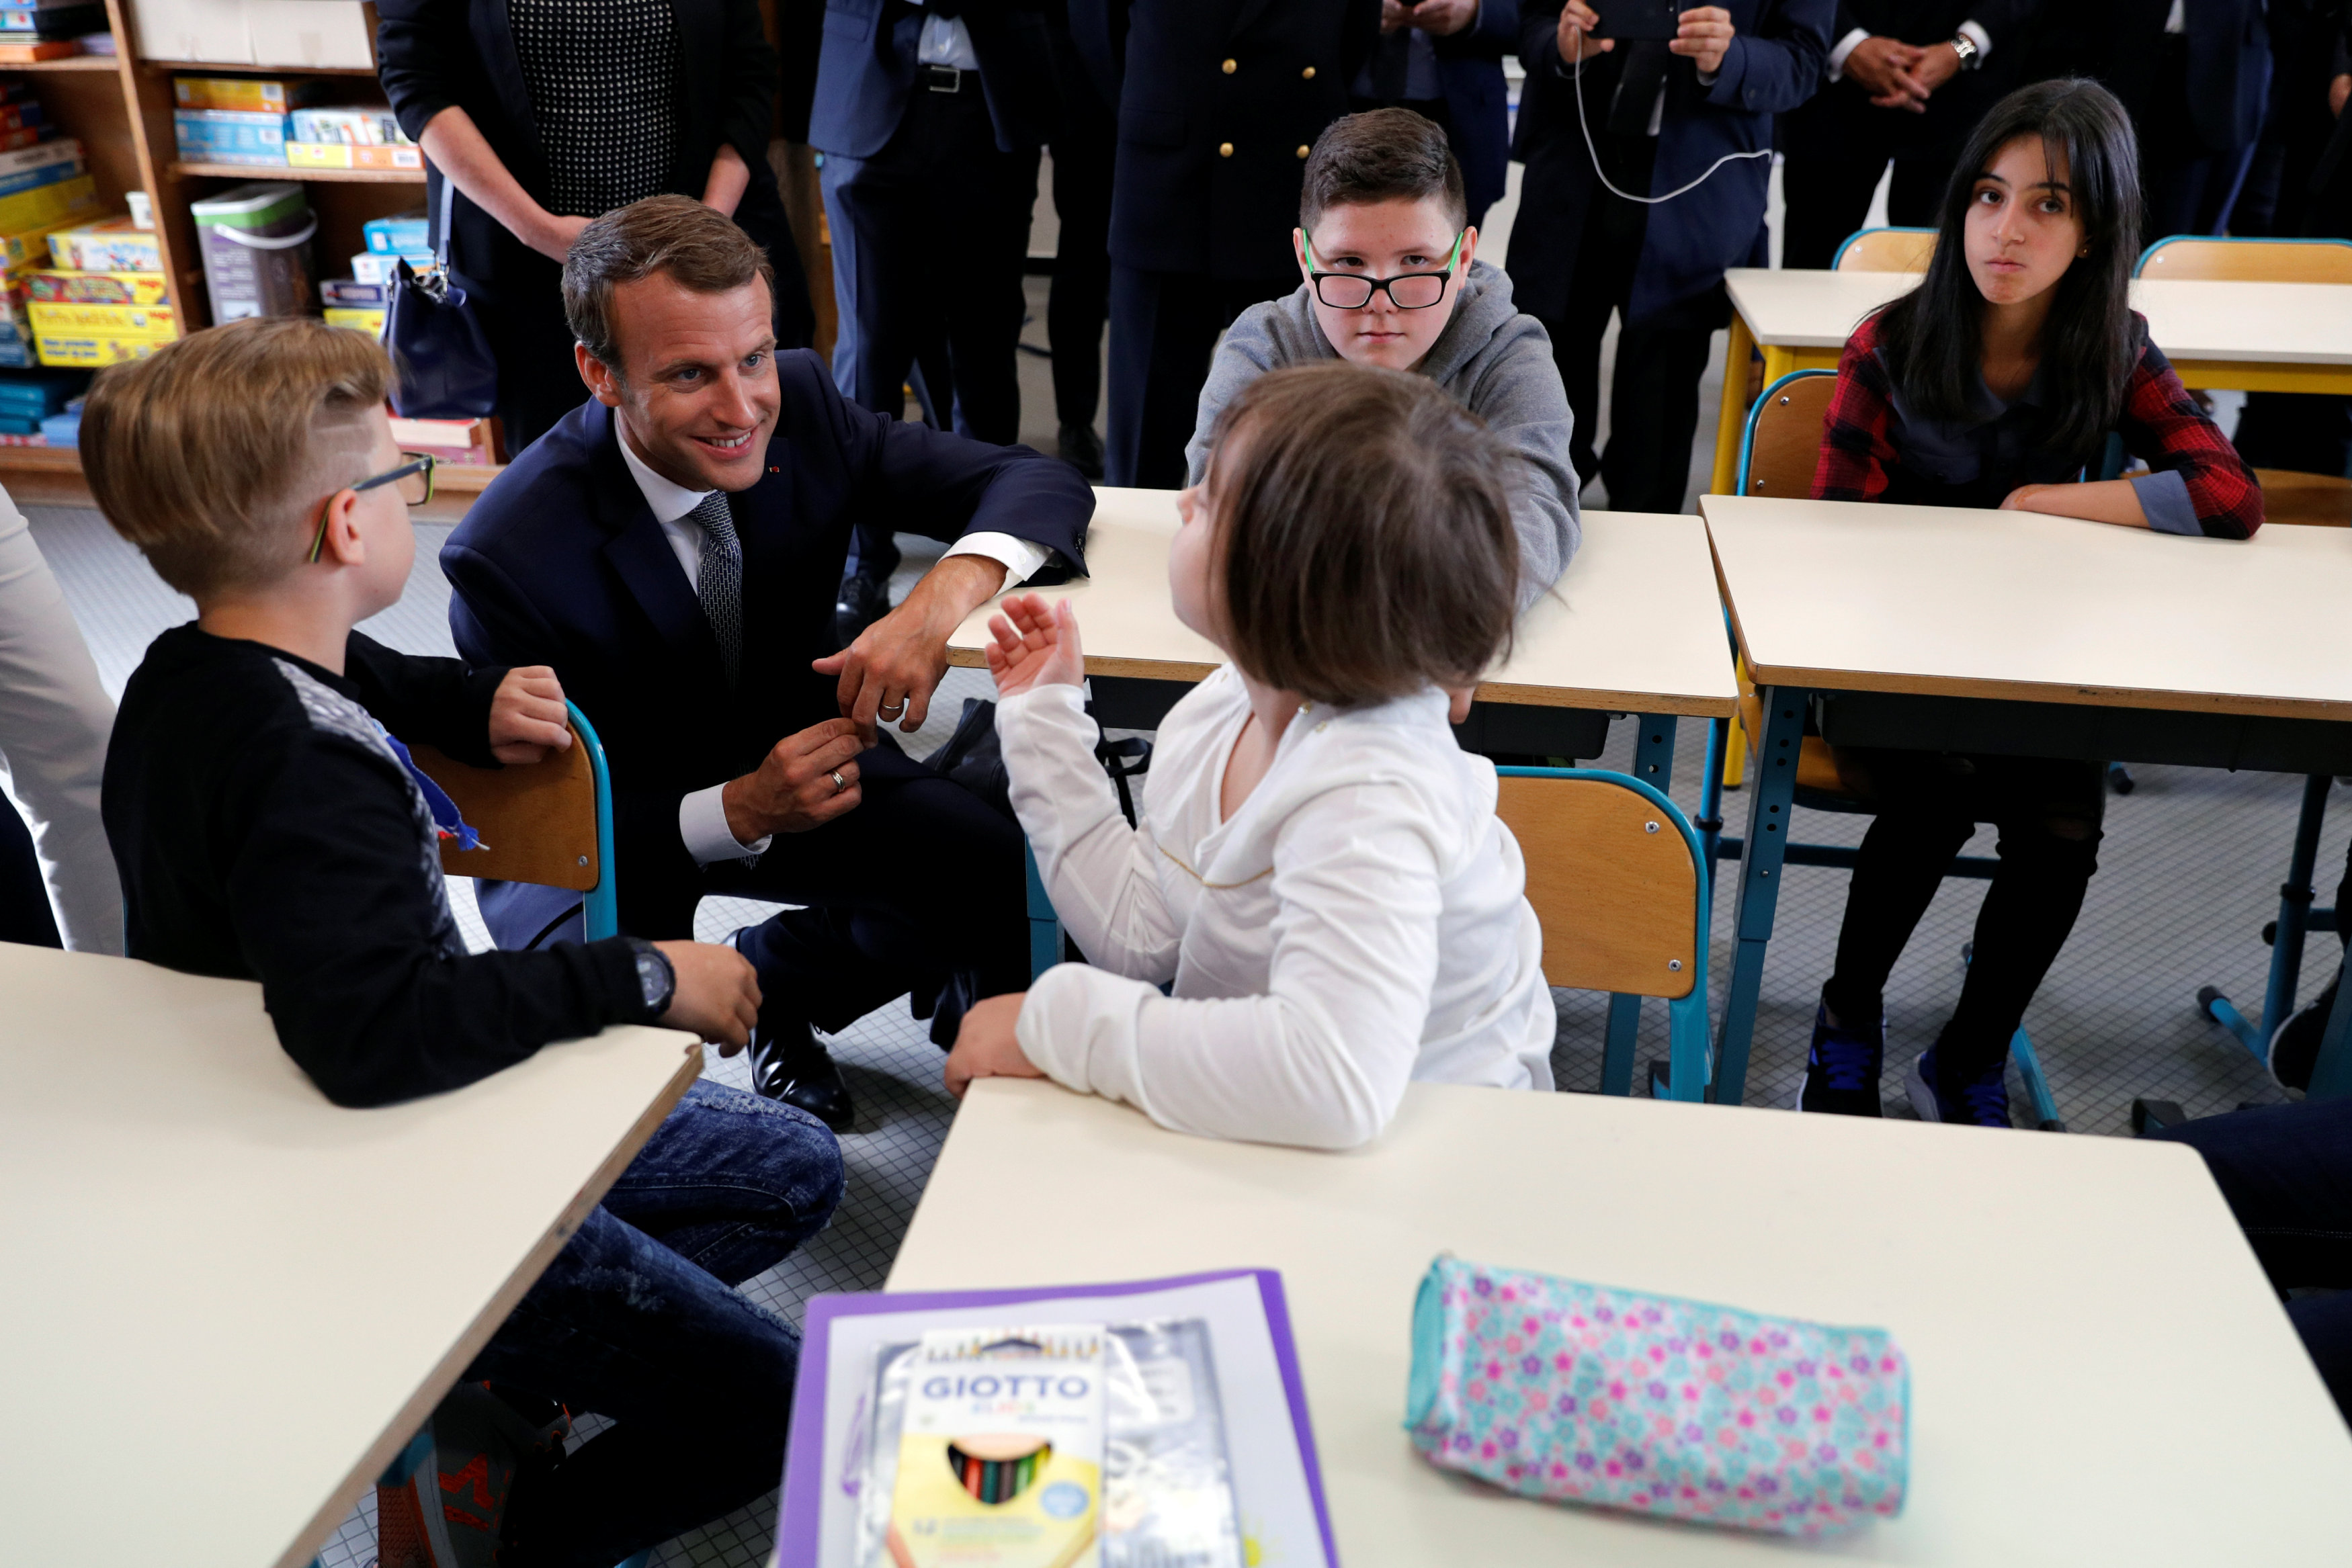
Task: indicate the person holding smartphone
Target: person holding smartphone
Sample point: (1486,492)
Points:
(1636,203)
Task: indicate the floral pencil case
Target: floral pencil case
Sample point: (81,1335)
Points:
(1582,1394)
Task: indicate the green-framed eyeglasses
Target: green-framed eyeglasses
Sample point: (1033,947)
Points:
(415,477)
(1406,291)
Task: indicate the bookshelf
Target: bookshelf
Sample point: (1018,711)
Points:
(120,107)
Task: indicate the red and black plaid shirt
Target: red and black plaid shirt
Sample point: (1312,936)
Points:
(1867,449)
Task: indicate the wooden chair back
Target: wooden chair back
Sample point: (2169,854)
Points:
(538,823)
(2203,259)
(1886,250)
(1611,880)
(1783,445)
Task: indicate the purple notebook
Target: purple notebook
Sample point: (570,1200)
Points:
(1278,1484)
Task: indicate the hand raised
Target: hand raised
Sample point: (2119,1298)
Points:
(527,717)
(1577,21)
(1035,645)
(1705,35)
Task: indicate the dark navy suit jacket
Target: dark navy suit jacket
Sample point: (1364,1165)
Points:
(1774,64)
(866,68)
(561,563)
(1470,70)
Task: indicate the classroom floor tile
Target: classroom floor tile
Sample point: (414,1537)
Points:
(2188,873)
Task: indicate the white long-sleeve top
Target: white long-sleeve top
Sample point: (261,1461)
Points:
(1362,921)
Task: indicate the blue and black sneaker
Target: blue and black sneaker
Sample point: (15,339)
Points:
(1981,1102)
(1842,1070)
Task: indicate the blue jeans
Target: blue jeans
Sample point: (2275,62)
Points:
(2286,1172)
(635,1320)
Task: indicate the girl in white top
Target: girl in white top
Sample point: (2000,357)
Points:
(1319,870)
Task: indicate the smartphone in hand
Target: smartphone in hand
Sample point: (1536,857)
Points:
(1659,19)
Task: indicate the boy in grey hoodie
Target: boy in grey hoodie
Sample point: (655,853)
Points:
(1392,280)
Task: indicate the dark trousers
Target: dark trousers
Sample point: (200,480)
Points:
(636,1321)
(1653,393)
(928,238)
(920,884)
(1927,804)
(539,379)
(25,913)
(1163,330)
(919,889)
(2286,1172)
(2188,187)
(1078,307)
(1827,193)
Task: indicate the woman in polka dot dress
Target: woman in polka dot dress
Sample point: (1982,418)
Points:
(547,113)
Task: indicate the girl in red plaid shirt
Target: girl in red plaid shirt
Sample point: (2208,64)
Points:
(1995,383)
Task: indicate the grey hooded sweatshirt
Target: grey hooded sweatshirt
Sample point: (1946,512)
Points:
(1495,362)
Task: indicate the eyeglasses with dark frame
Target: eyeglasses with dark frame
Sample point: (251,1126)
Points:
(415,477)
(1353,290)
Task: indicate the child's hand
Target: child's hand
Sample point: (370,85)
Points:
(1036,645)
(717,995)
(527,716)
(985,1046)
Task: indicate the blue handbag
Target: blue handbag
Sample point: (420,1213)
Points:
(441,357)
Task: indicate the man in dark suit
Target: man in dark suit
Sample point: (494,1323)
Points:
(1684,130)
(1219,101)
(1908,80)
(2195,74)
(1444,60)
(930,118)
(671,548)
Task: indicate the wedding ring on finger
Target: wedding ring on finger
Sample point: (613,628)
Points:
(839,783)
(893,710)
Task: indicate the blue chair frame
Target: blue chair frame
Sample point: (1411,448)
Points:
(1690,1052)
(599,911)
(2141,266)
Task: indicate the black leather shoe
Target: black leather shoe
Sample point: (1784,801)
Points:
(862,601)
(788,1064)
(1082,449)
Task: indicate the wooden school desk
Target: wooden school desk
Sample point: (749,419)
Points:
(230,1303)
(1944,629)
(2256,337)
(1633,626)
(2099,1373)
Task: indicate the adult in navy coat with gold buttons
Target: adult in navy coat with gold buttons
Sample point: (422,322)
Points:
(1219,101)
(1579,252)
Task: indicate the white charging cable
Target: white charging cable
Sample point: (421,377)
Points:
(1594,152)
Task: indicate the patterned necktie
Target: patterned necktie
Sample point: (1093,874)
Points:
(719,580)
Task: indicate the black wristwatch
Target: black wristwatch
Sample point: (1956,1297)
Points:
(654,977)
(1966,47)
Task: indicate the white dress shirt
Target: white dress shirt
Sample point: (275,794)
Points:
(1971,30)
(702,815)
(1360,922)
(946,41)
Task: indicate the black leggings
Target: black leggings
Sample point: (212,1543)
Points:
(1927,804)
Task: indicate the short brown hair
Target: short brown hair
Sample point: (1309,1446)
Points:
(1382,155)
(700,247)
(207,453)
(1364,532)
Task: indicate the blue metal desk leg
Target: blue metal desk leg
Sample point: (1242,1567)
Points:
(1653,764)
(2286,942)
(1759,881)
(1710,795)
(1044,925)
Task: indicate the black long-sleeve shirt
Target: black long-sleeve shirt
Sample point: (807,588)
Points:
(265,830)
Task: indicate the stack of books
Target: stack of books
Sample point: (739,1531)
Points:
(43,188)
(47,29)
(28,398)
